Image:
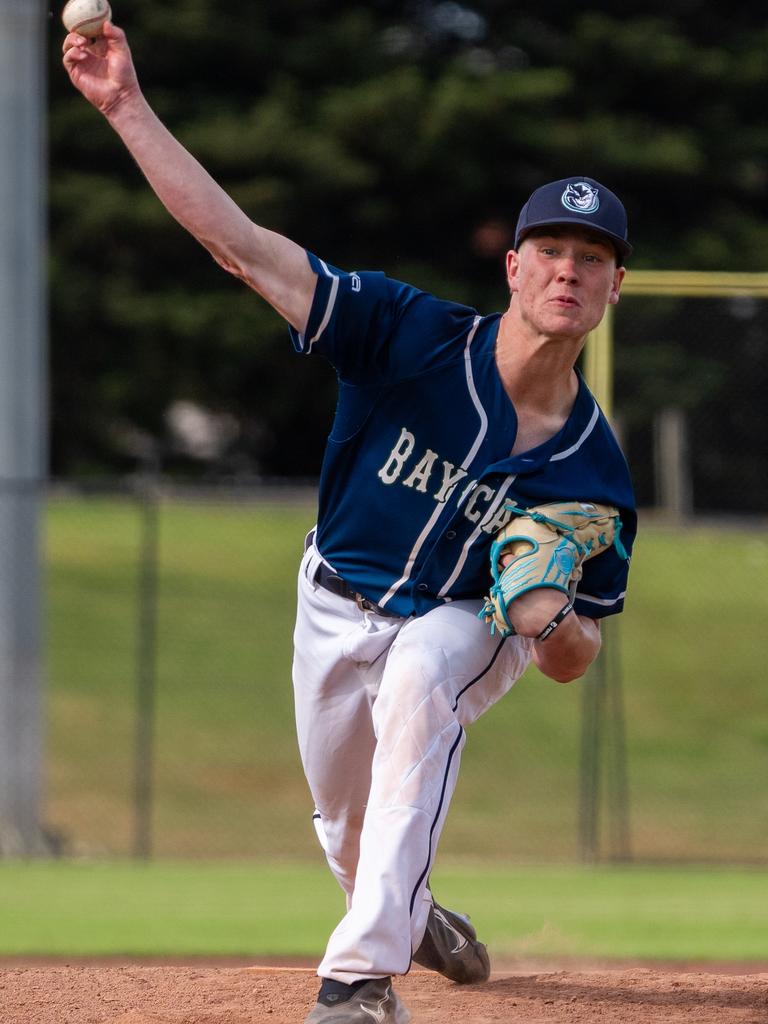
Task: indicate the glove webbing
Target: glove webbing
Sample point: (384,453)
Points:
(568,529)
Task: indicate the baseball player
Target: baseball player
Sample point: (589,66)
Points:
(450,427)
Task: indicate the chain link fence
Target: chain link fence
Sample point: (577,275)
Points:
(169,621)
(690,383)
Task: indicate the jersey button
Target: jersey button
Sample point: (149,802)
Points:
(423,586)
(450,534)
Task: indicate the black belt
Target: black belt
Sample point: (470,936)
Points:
(329,580)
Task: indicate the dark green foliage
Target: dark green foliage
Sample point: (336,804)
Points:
(707,358)
(393,135)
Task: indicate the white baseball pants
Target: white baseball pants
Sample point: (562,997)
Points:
(381,707)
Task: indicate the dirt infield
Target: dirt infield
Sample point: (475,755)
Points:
(84,993)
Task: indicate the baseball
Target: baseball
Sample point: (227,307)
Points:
(86,17)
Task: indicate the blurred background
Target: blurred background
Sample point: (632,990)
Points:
(181,439)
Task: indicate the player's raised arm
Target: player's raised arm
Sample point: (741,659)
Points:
(271,264)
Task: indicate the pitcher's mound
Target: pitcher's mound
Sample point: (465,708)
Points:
(80,993)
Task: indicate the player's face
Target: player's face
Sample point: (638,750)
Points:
(561,281)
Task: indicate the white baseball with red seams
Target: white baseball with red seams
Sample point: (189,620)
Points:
(86,17)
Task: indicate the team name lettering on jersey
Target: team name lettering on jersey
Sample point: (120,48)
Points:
(430,471)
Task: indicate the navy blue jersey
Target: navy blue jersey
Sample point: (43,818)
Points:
(417,469)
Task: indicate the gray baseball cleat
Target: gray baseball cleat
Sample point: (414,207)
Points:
(450,947)
(375,1002)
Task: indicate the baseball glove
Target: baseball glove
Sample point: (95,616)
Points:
(545,546)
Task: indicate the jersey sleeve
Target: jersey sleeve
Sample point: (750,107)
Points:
(374,329)
(603,586)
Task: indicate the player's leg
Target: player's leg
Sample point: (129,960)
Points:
(336,673)
(442,672)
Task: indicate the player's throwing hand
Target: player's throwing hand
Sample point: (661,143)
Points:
(101,69)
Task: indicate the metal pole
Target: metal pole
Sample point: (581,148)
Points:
(146,682)
(589,792)
(603,724)
(598,362)
(23,324)
(597,365)
(618,786)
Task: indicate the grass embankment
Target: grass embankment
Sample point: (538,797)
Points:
(260,910)
(692,649)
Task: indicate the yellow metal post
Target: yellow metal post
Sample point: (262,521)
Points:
(602,689)
(602,696)
(598,362)
(695,283)
(598,354)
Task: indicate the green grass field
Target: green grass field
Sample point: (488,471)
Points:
(692,648)
(260,910)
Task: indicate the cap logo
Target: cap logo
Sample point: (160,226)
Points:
(580,197)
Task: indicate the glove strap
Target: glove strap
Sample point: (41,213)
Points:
(554,623)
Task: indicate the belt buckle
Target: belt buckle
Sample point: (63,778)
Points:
(363,603)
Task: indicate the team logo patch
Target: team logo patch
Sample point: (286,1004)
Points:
(564,558)
(579,197)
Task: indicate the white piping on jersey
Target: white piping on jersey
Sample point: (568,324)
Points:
(605,601)
(466,463)
(575,447)
(475,398)
(329,306)
(475,534)
(412,557)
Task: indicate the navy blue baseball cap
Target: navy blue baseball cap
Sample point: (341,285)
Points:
(581,201)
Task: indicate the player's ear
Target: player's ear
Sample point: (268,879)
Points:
(513,270)
(618,277)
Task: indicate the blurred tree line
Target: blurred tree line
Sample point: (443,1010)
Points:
(401,136)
